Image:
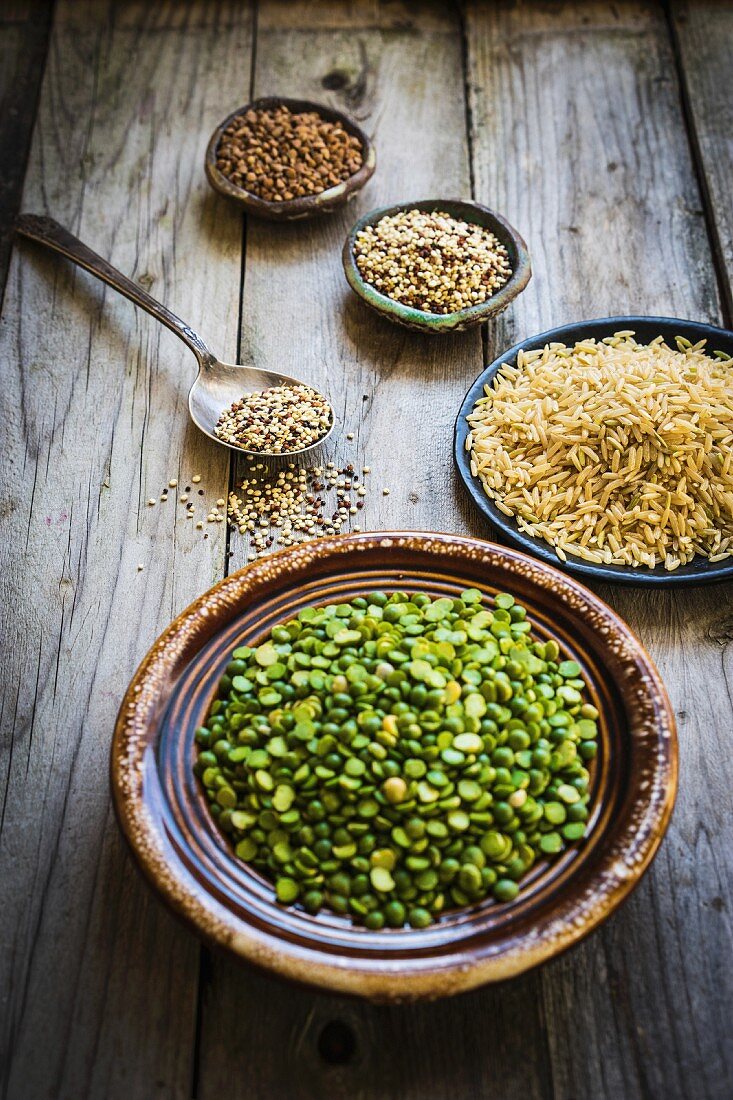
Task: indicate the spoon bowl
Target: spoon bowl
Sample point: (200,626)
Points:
(218,385)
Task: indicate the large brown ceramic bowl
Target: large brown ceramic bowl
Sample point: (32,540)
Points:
(166,820)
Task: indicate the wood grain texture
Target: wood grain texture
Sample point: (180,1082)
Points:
(395,391)
(576,133)
(98,983)
(400,75)
(24,31)
(601,180)
(703,36)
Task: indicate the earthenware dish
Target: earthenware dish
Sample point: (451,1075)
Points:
(308,205)
(700,570)
(167,823)
(443,322)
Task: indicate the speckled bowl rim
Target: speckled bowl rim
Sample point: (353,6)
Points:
(307,205)
(442,322)
(379,977)
(698,572)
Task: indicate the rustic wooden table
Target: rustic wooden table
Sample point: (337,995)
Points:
(603,131)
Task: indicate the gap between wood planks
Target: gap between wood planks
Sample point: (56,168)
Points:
(716,246)
(25,29)
(380,1032)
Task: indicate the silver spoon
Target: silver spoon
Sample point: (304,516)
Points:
(217,384)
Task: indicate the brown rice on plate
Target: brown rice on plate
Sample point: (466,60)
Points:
(616,452)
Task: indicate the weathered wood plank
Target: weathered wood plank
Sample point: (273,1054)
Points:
(579,137)
(297,308)
(24,31)
(397,68)
(703,33)
(98,985)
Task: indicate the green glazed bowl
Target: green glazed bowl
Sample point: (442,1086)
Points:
(419,319)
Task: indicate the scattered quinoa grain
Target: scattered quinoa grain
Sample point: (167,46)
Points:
(293,504)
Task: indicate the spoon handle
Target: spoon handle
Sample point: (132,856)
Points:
(49,232)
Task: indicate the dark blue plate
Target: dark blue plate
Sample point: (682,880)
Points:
(699,571)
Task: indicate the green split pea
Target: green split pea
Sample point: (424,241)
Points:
(398,755)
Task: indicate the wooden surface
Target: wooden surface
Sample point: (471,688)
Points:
(603,132)
(23,41)
(99,984)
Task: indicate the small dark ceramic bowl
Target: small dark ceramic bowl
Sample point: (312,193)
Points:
(167,823)
(309,205)
(700,570)
(419,319)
